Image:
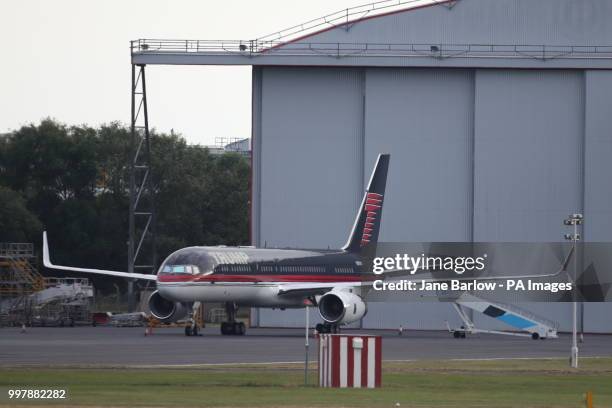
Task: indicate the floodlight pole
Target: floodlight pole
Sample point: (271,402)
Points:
(574,351)
(574,220)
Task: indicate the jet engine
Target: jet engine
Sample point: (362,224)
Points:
(166,310)
(337,307)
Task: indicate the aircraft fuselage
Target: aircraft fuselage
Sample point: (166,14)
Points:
(251,276)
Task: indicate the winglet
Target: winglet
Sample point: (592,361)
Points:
(46,258)
(48,264)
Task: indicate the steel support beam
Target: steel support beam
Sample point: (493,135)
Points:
(142,255)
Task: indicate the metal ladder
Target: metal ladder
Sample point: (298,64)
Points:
(18,274)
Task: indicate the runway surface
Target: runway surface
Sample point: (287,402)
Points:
(109,346)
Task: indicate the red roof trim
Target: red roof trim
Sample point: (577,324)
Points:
(359,20)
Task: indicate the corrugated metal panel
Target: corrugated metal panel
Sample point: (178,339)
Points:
(597,318)
(387,315)
(598,156)
(550,22)
(410,315)
(255,213)
(528,154)
(311,138)
(526,132)
(528,162)
(425,119)
(288,317)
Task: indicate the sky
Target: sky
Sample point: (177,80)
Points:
(69,60)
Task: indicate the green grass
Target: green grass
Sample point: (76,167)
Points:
(509,383)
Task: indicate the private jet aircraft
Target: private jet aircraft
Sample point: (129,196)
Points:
(335,281)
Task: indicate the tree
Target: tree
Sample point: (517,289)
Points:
(74,182)
(17,223)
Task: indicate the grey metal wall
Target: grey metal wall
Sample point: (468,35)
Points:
(508,22)
(598,154)
(425,119)
(309,156)
(528,153)
(477,154)
(489,155)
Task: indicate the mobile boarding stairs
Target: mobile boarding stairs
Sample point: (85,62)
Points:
(524,323)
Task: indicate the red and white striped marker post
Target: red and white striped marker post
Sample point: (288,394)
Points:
(350,361)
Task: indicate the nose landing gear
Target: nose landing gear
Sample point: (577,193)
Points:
(192,329)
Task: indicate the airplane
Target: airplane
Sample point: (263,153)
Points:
(335,281)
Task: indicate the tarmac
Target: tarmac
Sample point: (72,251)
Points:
(111,346)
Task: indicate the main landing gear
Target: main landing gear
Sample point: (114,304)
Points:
(324,328)
(232,327)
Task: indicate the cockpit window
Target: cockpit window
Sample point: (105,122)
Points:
(184,269)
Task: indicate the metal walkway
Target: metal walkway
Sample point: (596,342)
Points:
(18,275)
(297,45)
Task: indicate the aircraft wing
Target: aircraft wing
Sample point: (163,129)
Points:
(317,288)
(48,264)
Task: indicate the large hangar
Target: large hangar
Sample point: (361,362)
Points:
(497,113)
(478,153)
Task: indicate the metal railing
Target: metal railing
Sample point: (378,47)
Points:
(254,48)
(52,281)
(11,249)
(529,315)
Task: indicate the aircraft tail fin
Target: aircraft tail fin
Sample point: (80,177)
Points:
(364,234)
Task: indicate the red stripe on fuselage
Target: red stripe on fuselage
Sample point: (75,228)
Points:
(259,278)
